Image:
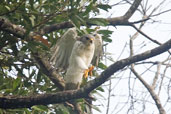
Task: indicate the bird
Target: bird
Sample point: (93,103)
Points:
(73,55)
(98,52)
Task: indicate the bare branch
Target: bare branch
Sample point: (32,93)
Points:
(50,71)
(44,99)
(155,41)
(7,26)
(123,20)
(132,9)
(151,91)
(19,31)
(149,88)
(156,76)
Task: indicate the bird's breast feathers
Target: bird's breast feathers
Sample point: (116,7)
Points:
(81,55)
(80,59)
(84,51)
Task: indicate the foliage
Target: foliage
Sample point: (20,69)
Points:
(19,72)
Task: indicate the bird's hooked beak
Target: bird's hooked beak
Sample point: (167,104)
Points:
(91,40)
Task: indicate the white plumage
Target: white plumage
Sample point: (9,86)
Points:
(74,55)
(79,61)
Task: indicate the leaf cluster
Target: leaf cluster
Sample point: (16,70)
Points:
(19,72)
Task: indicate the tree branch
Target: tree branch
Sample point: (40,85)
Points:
(18,31)
(50,71)
(132,9)
(125,62)
(122,20)
(7,26)
(45,99)
(147,86)
(151,91)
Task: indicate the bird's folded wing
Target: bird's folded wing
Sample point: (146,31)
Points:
(62,50)
(98,49)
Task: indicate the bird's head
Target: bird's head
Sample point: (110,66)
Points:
(87,39)
(97,36)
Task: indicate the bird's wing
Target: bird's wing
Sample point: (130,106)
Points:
(61,52)
(98,49)
(81,56)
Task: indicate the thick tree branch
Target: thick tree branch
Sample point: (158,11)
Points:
(44,99)
(7,26)
(132,9)
(148,87)
(149,38)
(18,31)
(50,71)
(122,20)
(125,62)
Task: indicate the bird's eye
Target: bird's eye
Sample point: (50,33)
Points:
(87,38)
(94,35)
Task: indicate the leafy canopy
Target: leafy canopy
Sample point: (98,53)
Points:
(19,72)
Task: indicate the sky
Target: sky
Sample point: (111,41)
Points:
(160,31)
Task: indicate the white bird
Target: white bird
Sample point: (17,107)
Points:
(75,54)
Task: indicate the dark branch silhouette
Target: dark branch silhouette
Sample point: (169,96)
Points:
(20,32)
(8,102)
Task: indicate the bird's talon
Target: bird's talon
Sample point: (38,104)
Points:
(86,73)
(91,70)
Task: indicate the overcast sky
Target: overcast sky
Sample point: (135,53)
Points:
(160,31)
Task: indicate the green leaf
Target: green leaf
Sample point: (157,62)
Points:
(81,20)
(95,108)
(33,46)
(88,9)
(7,91)
(80,100)
(106,39)
(89,30)
(105,32)
(8,8)
(75,21)
(102,66)
(100,89)
(16,83)
(61,109)
(40,108)
(39,75)
(26,111)
(27,22)
(32,18)
(104,6)
(27,83)
(98,21)
(32,73)
(105,35)
(99,94)
(24,48)
(31,3)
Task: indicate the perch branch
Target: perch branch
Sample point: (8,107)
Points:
(8,102)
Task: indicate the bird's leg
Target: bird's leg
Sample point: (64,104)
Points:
(91,70)
(88,71)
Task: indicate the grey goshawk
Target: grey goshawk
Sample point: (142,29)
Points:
(74,55)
